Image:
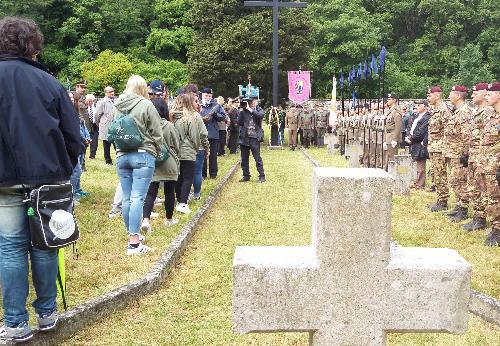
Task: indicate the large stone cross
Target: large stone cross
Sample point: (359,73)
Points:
(350,287)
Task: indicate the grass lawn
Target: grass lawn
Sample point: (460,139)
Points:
(194,306)
(102,264)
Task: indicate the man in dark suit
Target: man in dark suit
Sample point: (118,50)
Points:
(418,140)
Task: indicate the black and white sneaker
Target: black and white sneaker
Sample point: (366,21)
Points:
(138,249)
(47,321)
(20,333)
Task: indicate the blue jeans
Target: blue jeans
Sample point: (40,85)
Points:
(15,245)
(198,168)
(135,171)
(77,173)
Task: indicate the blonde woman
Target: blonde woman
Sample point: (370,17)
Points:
(135,168)
(193,136)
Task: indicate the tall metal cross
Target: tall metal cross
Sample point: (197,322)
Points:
(275,4)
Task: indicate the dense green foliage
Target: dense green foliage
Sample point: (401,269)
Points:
(220,43)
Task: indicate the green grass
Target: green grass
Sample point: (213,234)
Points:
(193,307)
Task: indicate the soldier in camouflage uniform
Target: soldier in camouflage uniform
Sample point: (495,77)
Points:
(488,160)
(341,133)
(480,115)
(320,121)
(292,124)
(379,127)
(306,123)
(392,129)
(439,118)
(456,147)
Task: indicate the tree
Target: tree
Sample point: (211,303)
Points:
(108,69)
(232,42)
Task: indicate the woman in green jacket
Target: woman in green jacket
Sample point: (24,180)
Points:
(193,135)
(167,172)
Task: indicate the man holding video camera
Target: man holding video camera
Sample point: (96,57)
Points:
(251,134)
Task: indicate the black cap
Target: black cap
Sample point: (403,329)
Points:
(207,90)
(81,82)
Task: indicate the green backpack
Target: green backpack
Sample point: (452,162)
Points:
(162,156)
(123,132)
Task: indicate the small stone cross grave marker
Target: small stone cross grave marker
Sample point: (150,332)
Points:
(350,287)
(404,172)
(355,153)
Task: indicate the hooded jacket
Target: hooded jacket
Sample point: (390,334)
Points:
(169,169)
(193,134)
(43,126)
(146,118)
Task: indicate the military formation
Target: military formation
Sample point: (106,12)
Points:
(463,146)
(309,124)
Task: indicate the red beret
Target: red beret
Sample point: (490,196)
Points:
(460,88)
(434,89)
(480,86)
(495,86)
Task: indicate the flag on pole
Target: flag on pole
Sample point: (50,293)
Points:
(341,80)
(299,86)
(381,58)
(373,65)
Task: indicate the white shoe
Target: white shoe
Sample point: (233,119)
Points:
(146,226)
(139,250)
(183,208)
(171,222)
(154,215)
(159,201)
(114,213)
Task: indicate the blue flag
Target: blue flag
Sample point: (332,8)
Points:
(360,72)
(381,58)
(353,99)
(367,70)
(354,77)
(341,80)
(373,65)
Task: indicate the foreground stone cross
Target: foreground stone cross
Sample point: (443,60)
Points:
(350,287)
(404,172)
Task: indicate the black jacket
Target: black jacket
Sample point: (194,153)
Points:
(420,138)
(43,126)
(243,122)
(215,113)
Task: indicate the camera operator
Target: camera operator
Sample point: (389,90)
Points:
(251,134)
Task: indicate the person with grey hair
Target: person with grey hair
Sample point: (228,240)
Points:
(39,144)
(104,117)
(91,124)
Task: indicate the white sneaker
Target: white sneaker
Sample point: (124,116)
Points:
(139,250)
(154,215)
(171,222)
(183,208)
(114,213)
(159,201)
(146,226)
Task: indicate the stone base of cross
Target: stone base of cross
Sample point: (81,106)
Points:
(404,172)
(350,287)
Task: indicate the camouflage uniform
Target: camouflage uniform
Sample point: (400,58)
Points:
(306,123)
(488,162)
(392,132)
(321,121)
(366,140)
(437,123)
(480,116)
(373,137)
(341,133)
(380,138)
(455,147)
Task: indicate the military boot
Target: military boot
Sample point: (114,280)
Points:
(493,238)
(453,212)
(439,206)
(460,215)
(476,223)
